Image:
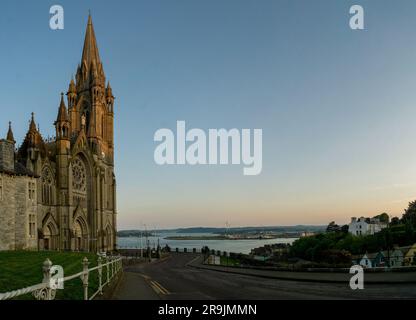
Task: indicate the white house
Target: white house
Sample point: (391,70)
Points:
(365,226)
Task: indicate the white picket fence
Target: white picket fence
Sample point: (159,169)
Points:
(47,289)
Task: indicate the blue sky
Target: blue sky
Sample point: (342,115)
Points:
(336,106)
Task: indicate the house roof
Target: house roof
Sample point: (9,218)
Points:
(411,250)
(373,255)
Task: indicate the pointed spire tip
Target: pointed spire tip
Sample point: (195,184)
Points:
(62,112)
(90,53)
(10,136)
(32,125)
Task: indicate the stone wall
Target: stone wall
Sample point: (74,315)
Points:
(15,208)
(7,212)
(6,155)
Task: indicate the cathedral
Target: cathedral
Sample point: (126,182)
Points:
(60,193)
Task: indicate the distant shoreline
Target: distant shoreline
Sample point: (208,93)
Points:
(275,231)
(227,238)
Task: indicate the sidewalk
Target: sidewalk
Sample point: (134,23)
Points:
(322,277)
(134,287)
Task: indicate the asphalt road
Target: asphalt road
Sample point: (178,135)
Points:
(172,279)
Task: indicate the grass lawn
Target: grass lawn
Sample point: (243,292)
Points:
(20,269)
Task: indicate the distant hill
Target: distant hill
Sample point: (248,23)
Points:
(280,229)
(276,229)
(133,233)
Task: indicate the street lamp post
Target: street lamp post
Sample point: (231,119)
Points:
(141,241)
(141,244)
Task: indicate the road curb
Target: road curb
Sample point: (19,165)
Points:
(234,271)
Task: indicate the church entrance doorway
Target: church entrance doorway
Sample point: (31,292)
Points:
(80,236)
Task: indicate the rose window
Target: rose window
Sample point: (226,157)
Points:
(79,176)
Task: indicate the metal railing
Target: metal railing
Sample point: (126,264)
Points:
(48,288)
(187,250)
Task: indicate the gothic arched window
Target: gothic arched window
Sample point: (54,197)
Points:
(47,186)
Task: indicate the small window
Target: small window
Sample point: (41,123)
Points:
(32,190)
(1,189)
(102,126)
(32,225)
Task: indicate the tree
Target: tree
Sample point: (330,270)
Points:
(395,221)
(345,228)
(334,256)
(333,227)
(409,216)
(384,217)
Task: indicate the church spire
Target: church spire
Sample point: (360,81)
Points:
(10,136)
(90,72)
(32,125)
(71,88)
(90,53)
(72,95)
(109,98)
(109,90)
(62,113)
(62,122)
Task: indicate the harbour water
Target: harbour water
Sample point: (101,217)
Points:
(237,246)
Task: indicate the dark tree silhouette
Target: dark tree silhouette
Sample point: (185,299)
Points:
(384,217)
(395,221)
(345,228)
(333,227)
(409,216)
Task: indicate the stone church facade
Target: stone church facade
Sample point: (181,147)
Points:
(60,193)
